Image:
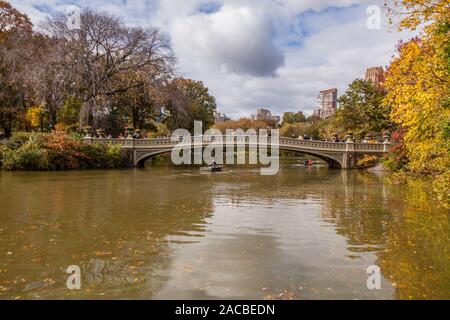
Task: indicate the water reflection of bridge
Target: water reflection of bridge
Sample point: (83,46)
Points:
(338,155)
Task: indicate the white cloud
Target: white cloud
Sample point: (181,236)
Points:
(236,38)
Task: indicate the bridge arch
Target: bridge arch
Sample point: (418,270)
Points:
(334,161)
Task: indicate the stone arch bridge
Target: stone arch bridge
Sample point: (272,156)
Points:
(340,155)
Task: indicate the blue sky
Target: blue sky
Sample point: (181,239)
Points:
(276,54)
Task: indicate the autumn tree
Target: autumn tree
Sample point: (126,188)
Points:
(36,117)
(15,31)
(361,110)
(101,51)
(413,14)
(418,82)
(140,104)
(68,114)
(11,20)
(243,123)
(293,117)
(189,101)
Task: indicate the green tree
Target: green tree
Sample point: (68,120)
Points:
(361,109)
(70,111)
(293,117)
(189,101)
(138,105)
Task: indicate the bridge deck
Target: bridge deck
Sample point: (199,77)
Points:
(338,154)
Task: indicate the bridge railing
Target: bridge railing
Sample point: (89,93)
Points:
(372,146)
(310,144)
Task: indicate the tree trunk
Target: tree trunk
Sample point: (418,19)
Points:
(135,121)
(8,131)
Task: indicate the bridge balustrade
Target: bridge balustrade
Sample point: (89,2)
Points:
(310,144)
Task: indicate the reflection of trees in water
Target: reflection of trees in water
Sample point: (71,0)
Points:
(359,210)
(407,229)
(112,224)
(417,258)
(293,183)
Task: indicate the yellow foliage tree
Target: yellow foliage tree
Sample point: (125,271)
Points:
(36,117)
(418,84)
(410,14)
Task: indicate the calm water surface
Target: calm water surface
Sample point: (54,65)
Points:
(176,233)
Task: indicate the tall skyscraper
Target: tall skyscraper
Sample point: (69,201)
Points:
(327,103)
(376,75)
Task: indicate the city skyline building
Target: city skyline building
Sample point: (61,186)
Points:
(327,103)
(376,75)
(265,115)
(220,117)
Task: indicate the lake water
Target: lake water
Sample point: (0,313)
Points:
(181,233)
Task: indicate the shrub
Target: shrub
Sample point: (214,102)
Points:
(57,151)
(61,149)
(18,139)
(396,159)
(3,148)
(28,157)
(99,156)
(366,162)
(113,153)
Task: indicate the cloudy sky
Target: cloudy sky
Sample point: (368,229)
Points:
(276,54)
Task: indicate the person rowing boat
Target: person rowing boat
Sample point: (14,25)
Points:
(213,167)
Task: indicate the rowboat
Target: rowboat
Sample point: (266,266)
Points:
(212,168)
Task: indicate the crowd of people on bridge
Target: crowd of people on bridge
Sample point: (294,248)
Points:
(137,134)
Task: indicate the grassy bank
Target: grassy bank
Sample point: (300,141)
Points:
(56,151)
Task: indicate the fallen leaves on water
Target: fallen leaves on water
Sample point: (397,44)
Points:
(103,253)
(188,269)
(287,295)
(283,295)
(38,285)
